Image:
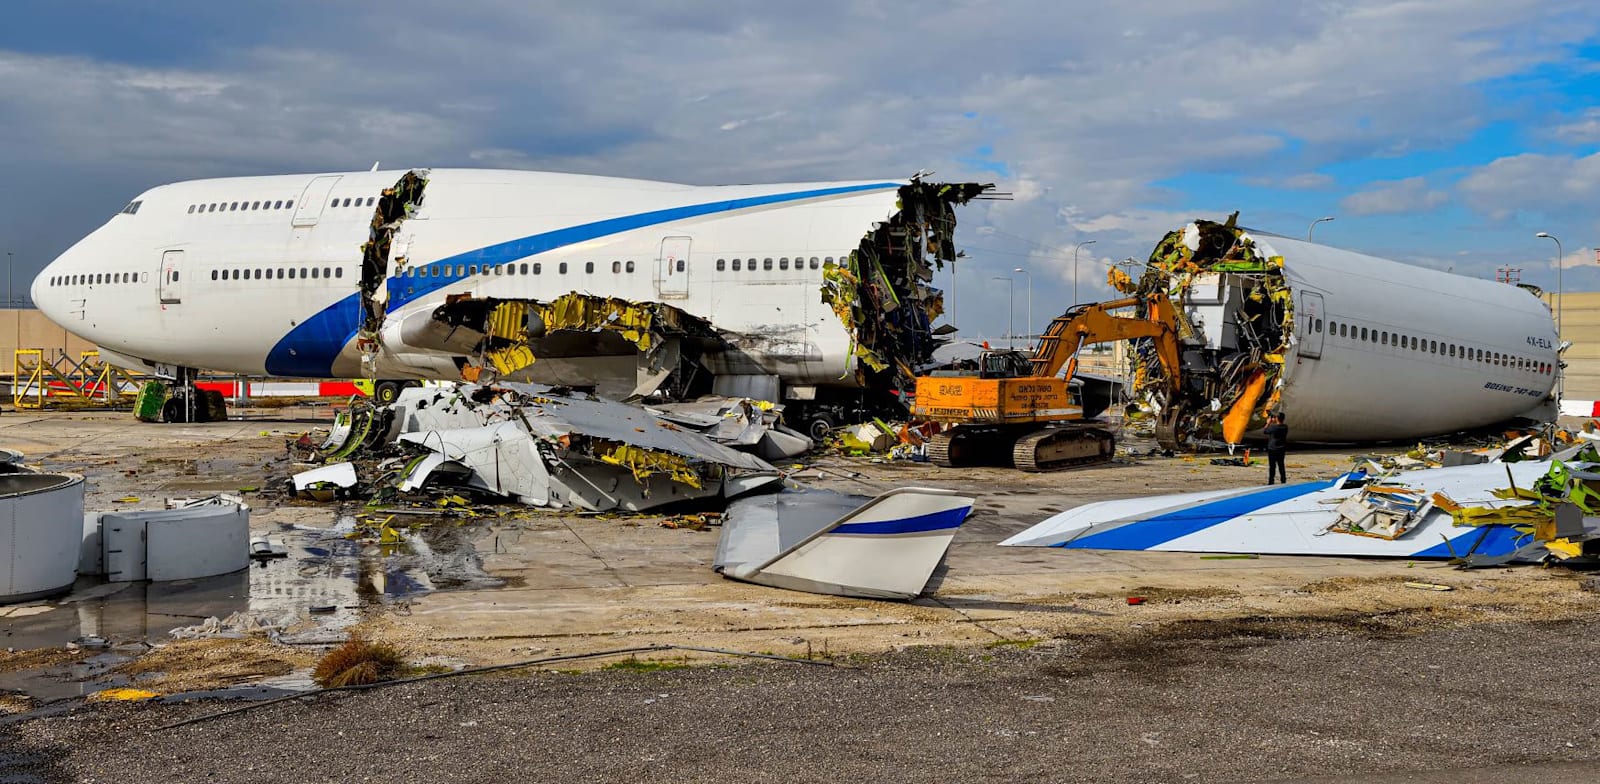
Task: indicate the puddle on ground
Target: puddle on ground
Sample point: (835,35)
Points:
(321,588)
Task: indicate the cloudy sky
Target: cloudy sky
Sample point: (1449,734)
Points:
(1440,132)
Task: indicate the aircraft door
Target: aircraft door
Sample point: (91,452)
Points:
(1309,316)
(672,268)
(309,209)
(169,285)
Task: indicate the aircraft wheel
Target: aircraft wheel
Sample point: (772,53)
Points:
(819,426)
(386,392)
(175,410)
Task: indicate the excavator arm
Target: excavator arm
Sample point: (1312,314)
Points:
(1095,323)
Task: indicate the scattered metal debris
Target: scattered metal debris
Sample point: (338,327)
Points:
(540,446)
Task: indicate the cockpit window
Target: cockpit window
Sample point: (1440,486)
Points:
(132,208)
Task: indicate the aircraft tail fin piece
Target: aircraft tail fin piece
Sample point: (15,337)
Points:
(821,542)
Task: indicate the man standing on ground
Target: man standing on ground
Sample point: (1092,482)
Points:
(1277,434)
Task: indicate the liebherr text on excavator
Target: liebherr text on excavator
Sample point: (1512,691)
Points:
(1018,410)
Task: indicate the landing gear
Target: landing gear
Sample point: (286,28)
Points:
(386,392)
(188,403)
(818,426)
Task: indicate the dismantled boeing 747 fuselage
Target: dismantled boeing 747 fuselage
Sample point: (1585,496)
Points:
(677,347)
(1349,347)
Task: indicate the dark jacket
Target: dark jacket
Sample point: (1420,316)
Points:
(1277,437)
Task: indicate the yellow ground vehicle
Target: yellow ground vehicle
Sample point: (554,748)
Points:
(1019,410)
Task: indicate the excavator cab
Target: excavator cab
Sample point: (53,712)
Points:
(1004,364)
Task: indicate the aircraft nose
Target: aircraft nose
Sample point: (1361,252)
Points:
(42,294)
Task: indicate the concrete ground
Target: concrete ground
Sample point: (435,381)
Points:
(525,584)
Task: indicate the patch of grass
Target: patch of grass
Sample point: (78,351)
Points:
(358,662)
(631,664)
(414,670)
(1020,645)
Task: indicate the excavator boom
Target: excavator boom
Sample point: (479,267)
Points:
(1029,413)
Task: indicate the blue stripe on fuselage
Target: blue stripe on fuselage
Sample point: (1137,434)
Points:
(1163,528)
(934,521)
(308,351)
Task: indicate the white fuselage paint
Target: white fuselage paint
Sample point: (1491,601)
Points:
(233,325)
(1375,389)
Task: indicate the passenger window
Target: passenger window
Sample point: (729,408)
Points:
(827,259)
(537,268)
(783,263)
(347,202)
(338,272)
(304,273)
(191,209)
(1319,325)
(234,207)
(722,264)
(682,265)
(1363,333)
(288,204)
(280,273)
(255,205)
(616,268)
(334,203)
(815,263)
(371,200)
(461,270)
(588,267)
(563,268)
(735,265)
(314,272)
(629,267)
(258,274)
(766,264)
(278,205)
(472,269)
(511,269)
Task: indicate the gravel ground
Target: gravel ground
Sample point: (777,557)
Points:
(1351,699)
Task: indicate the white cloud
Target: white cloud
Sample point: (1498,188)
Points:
(1397,196)
(1584,129)
(1309,181)
(1532,182)
(1089,124)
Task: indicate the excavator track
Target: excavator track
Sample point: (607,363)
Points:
(970,446)
(1059,448)
(1027,448)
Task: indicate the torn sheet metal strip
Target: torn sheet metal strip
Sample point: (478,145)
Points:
(551,416)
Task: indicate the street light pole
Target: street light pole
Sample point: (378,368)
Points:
(1030,297)
(1011,309)
(1561,255)
(1313,226)
(1075,249)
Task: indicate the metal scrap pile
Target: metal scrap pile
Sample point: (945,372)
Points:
(754,426)
(1227,390)
(1558,518)
(880,292)
(527,444)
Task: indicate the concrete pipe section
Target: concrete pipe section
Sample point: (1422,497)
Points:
(41,526)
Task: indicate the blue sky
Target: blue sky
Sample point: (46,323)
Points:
(1444,133)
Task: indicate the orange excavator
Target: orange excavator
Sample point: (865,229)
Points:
(1019,410)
